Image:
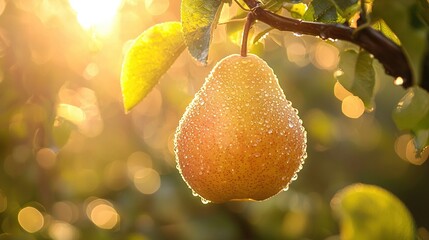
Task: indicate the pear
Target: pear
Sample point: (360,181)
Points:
(240,138)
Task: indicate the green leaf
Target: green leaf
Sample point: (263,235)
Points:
(347,8)
(401,18)
(421,140)
(297,10)
(356,73)
(323,11)
(199,19)
(372,213)
(150,56)
(381,26)
(412,112)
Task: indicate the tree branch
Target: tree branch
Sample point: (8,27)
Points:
(390,55)
(250,20)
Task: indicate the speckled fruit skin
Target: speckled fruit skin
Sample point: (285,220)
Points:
(240,138)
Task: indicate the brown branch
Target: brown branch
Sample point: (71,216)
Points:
(250,20)
(390,55)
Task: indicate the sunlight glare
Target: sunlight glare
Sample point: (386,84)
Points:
(96,14)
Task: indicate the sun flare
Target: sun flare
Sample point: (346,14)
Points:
(96,14)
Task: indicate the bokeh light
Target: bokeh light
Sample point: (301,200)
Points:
(71,113)
(326,56)
(91,71)
(80,107)
(352,107)
(147,180)
(62,231)
(31,219)
(46,158)
(406,149)
(340,92)
(65,211)
(102,213)
(137,161)
(297,53)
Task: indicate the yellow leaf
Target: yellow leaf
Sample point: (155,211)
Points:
(149,57)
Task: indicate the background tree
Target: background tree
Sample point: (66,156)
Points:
(74,166)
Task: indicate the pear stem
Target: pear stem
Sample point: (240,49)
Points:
(388,53)
(250,20)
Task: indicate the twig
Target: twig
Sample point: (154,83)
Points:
(390,55)
(249,22)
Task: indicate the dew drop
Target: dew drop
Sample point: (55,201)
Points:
(270,131)
(398,81)
(204,201)
(295,177)
(338,73)
(286,188)
(304,156)
(290,125)
(195,194)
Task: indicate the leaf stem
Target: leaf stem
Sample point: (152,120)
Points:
(390,55)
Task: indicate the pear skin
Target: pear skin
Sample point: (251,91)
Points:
(240,138)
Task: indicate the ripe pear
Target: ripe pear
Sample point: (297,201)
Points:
(240,138)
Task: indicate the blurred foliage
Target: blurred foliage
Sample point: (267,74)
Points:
(74,166)
(370,212)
